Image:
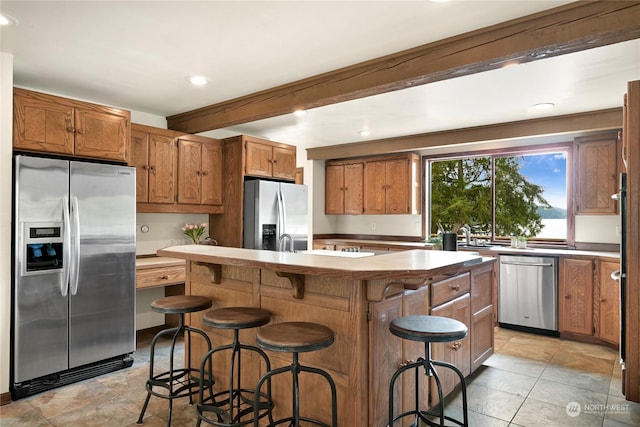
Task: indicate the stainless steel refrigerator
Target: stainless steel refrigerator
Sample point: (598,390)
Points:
(275,216)
(73,299)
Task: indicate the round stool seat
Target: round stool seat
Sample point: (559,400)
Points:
(181,304)
(428,328)
(236,318)
(294,337)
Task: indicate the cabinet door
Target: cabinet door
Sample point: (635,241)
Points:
(258,159)
(41,124)
(284,163)
(334,190)
(385,355)
(140,160)
(212,173)
(609,303)
(189,172)
(374,188)
(456,353)
(397,182)
(353,185)
(597,176)
(414,303)
(576,296)
(162,169)
(102,134)
(481,315)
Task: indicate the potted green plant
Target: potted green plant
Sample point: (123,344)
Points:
(522,242)
(436,242)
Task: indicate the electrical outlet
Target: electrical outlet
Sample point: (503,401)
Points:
(373,225)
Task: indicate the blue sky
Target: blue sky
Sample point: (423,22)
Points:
(549,171)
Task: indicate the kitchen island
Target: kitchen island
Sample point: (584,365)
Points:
(357,297)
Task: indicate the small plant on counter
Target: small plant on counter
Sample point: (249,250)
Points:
(194,231)
(436,242)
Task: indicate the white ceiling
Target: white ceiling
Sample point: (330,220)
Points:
(136,55)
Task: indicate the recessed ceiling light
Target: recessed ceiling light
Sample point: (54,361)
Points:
(543,106)
(300,113)
(6,20)
(364,132)
(197,80)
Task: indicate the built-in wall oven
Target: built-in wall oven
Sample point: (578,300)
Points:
(528,293)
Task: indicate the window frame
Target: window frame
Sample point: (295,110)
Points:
(567,147)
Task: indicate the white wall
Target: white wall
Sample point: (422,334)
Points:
(6,118)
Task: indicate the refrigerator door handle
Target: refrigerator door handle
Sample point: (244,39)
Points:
(66,247)
(75,216)
(283,212)
(280,214)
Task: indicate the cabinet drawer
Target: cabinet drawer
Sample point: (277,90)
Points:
(161,276)
(448,289)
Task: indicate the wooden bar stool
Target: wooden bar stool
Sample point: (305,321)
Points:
(297,337)
(180,382)
(236,406)
(428,329)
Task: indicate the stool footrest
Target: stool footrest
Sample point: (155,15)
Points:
(241,406)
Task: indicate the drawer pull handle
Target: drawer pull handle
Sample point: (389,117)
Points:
(165,277)
(455,287)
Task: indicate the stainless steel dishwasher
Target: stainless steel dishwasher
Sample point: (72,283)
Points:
(528,293)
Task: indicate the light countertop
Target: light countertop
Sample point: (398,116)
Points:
(404,264)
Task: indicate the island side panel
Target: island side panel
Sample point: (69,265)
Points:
(340,305)
(337,303)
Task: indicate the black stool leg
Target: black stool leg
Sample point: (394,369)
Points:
(234,396)
(166,379)
(295,368)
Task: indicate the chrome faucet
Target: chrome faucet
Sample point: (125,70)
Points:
(282,245)
(466,229)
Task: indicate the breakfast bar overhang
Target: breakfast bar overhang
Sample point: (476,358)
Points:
(357,297)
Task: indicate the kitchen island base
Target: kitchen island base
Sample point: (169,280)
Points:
(357,299)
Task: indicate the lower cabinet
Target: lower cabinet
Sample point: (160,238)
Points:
(609,303)
(575,296)
(466,297)
(388,352)
(482,310)
(457,353)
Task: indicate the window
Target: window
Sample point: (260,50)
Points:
(502,194)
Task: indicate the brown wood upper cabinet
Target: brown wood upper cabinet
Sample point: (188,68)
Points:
(390,185)
(343,188)
(599,162)
(176,172)
(51,124)
(199,171)
(153,155)
(270,159)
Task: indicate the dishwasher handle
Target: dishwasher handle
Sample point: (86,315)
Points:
(530,264)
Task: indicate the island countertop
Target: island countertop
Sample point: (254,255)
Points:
(405,264)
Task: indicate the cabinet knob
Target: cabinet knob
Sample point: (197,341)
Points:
(455,287)
(145,167)
(603,300)
(205,173)
(80,131)
(567,296)
(456,345)
(70,129)
(152,169)
(165,277)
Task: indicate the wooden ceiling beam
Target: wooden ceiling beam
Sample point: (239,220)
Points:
(565,29)
(580,122)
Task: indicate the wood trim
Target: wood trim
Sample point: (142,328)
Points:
(590,121)
(5,398)
(632,322)
(566,29)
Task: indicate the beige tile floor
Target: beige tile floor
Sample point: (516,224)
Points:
(530,381)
